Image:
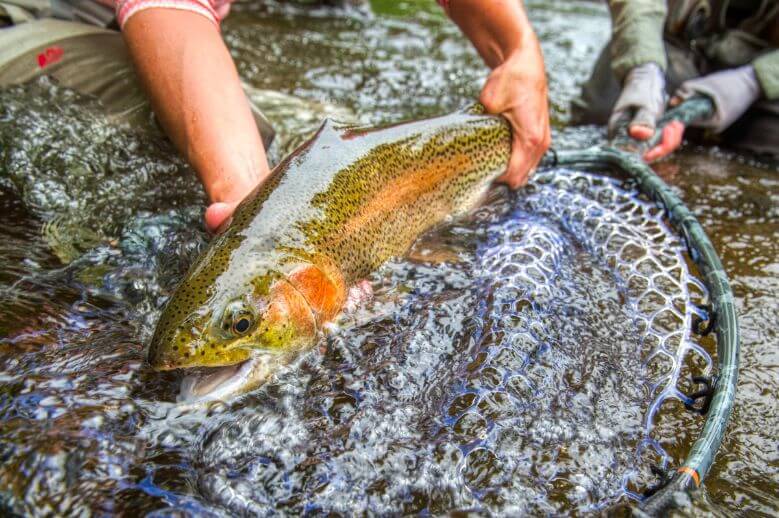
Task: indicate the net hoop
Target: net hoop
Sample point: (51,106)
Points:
(693,470)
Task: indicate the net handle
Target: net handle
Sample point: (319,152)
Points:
(693,109)
(693,470)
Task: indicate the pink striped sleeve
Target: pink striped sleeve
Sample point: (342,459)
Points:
(214,10)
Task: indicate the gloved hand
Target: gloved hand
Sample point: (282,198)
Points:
(733,91)
(641,102)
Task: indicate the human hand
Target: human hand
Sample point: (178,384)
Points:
(732,92)
(641,102)
(517,90)
(516,87)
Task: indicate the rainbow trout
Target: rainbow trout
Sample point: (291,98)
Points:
(331,213)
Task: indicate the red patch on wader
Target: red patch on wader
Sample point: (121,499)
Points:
(49,56)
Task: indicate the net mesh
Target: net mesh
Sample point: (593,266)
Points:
(622,229)
(524,377)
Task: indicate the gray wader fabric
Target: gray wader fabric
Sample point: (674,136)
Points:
(13,12)
(90,60)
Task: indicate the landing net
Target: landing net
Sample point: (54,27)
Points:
(527,376)
(683,307)
(509,379)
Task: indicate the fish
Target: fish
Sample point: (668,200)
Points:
(330,214)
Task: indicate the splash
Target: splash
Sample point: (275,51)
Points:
(518,371)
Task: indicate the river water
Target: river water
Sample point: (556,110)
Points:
(496,369)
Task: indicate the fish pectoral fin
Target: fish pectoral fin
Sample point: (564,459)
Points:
(358,295)
(357,312)
(430,251)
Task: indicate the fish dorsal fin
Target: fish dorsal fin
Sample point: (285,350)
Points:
(335,129)
(328,125)
(328,133)
(475,109)
(331,128)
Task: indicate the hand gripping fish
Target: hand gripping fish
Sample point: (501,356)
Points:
(331,213)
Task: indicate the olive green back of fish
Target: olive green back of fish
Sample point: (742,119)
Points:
(362,196)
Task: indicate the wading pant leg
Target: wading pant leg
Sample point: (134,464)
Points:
(90,60)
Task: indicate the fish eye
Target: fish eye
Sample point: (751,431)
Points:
(237,320)
(242,324)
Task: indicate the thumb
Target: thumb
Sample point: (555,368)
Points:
(218,216)
(642,127)
(645,117)
(494,95)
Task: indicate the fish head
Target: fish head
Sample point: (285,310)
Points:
(210,322)
(235,316)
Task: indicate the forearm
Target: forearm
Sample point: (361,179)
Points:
(637,34)
(196,94)
(499,29)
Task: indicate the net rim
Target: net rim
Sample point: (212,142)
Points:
(693,470)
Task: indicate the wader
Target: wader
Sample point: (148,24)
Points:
(83,52)
(694,49)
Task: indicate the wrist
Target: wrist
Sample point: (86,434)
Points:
(498,29)
(526,61)
(525,46)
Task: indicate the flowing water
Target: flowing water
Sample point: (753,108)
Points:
(507,365)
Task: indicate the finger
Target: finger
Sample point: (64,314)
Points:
(671,140)
(525,156)
(218,216)
(642,127)
(517,171)
(494,95)
(645,116)
(640,132)
(675,101)
(666,146)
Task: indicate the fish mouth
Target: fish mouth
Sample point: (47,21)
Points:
(223,383)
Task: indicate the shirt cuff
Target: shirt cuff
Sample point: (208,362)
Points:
(125,9)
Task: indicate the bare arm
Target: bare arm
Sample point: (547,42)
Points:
(197,96)
(516,87)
